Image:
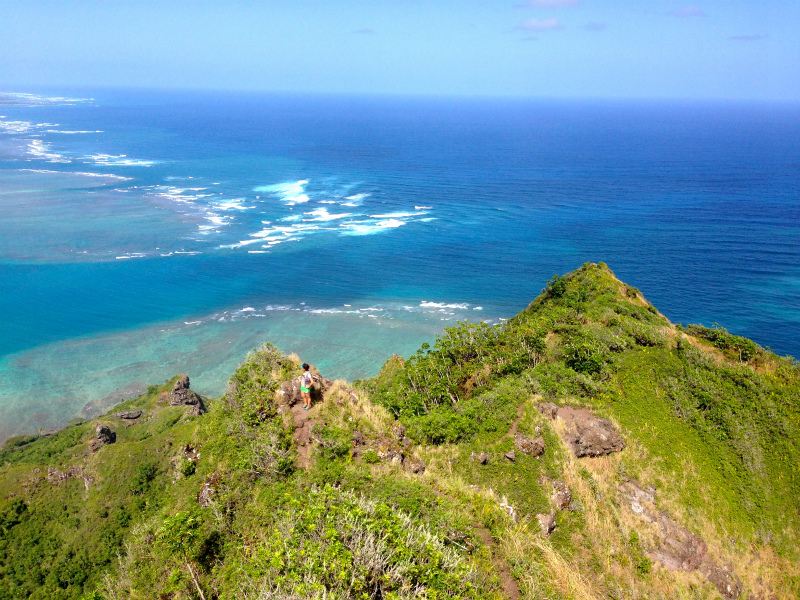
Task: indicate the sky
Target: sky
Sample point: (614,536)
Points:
(706,49)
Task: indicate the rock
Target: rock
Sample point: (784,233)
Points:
(681,550)
(359,439)
(562,497)
(548,409)
(398,431)
(104,434)
(547,522)
(393,455)
(589,435)
(407,443)
(509,510)
(190,453)
(56,477)
(181,395)
(510,455)
(210,486)
(128,414)
(417,467)
(724,579)
(529,446)
(481,459)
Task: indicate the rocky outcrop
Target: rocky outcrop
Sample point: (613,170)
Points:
(103,435)
(678,548)
(589,435)
(529,446)
(288,392)
(182,395)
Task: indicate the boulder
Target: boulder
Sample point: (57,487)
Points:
(417,467)
(548,409)
(510,455)
(209,490)
(724,579)
(288,393)
(128,415)
(399,431)
(562,497)
(182,395)
(529,446)
(589,435)
(104,434)
(547,522)
(481,459)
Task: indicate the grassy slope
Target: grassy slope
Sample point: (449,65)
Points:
(717,436)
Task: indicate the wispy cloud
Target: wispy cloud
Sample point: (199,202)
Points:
(748,38)
(594,26)
(532,25)
(365,31)
(688,11)
(548,4)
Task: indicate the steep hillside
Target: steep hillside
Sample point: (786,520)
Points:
(586,448)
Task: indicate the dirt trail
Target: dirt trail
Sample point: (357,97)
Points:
(510,587)
(304,422)
(513,429)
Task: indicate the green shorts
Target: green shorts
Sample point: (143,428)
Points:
(303,390)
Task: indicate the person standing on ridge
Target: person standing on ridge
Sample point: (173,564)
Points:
(306,381)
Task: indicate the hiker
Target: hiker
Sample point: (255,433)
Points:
(306,381)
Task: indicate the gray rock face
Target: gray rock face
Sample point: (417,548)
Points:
(589,435)
(562,497)
(182,395)
(529,446)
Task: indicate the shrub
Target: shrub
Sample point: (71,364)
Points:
(252,387)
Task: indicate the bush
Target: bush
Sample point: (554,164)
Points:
(251,389)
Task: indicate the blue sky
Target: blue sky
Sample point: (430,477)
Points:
(712,49)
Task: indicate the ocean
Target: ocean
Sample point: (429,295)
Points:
(149,233)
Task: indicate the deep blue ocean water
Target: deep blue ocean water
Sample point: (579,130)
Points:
(144,234)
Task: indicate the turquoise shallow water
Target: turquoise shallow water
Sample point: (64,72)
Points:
(139,229)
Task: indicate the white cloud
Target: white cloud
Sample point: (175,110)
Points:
(688,11)
(540,25)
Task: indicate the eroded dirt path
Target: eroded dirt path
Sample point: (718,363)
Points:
(304,422)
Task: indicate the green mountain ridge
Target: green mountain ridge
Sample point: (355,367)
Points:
(587,448)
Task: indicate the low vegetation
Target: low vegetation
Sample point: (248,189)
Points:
(397,503)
